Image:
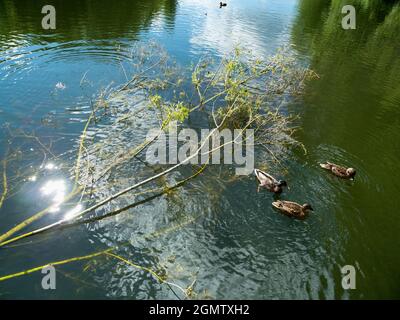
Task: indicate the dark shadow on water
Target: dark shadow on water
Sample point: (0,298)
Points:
(84,19)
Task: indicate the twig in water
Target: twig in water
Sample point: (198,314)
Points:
(5,185)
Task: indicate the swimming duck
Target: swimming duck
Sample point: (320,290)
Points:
(292,209)
(222,4)
(342,172)
(269,182)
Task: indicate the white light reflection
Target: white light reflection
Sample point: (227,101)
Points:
(57,190)
(73,212)
(51,166)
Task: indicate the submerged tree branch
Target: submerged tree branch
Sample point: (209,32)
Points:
(114,196)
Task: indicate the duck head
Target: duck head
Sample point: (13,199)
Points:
(307,206)
(351,172)
(282,183)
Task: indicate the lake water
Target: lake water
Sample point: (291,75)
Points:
(226,236)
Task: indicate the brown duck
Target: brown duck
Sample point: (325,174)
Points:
(292,209)
(342,172)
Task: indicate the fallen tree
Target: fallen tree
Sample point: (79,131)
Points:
(239,92)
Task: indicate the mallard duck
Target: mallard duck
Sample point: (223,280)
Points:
(222,4)
(269,182)
(292,209)
(342,172)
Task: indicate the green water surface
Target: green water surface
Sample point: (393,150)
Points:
(239,248)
